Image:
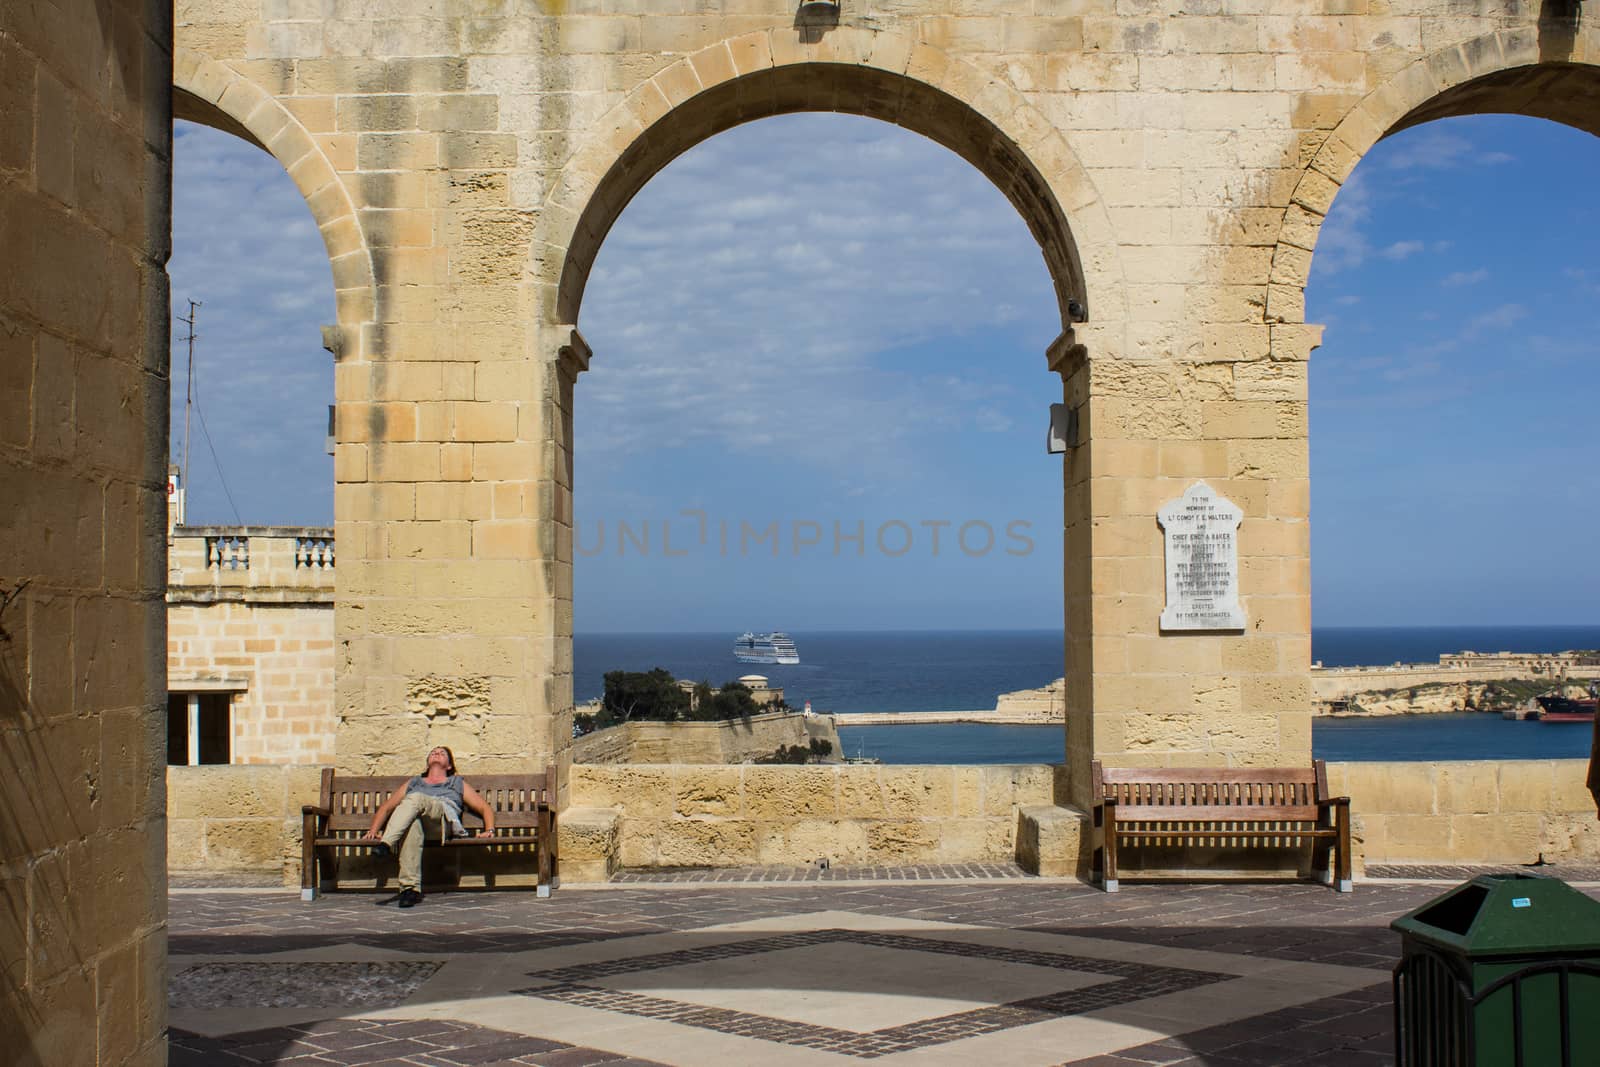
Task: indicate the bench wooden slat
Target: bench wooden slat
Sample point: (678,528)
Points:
(1216,813)
(1210,774)
(1214,832)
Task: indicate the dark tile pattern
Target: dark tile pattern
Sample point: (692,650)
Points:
(1133,982)
(920,873)
(1458,873)
(383,1043)
(299,985)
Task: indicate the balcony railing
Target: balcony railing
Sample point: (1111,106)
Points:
(268,564)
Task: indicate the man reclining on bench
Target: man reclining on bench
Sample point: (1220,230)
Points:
(428,806)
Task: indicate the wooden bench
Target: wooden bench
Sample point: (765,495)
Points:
(524,819)
(1184,804)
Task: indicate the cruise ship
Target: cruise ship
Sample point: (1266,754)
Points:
(765,648)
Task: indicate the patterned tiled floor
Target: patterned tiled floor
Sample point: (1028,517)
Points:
(994,969)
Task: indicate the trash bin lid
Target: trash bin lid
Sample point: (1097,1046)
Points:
(1507,914)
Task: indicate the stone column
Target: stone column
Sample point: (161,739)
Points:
(1229,410)
(444,621)
(85,179)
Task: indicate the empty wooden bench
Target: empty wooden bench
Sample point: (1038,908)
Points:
(524,820)
(1185,804)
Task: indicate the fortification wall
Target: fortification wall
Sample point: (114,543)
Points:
(735,741)
(1339,683)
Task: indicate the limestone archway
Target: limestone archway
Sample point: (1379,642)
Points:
(875,74)
(1508,72)
(212,94)
(872,73)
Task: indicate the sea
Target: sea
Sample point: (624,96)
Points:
(965,670)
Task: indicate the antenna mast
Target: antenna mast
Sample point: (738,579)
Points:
(188,399)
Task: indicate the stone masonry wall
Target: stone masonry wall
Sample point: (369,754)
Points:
(85,149)
(674,816)
(281,658)
(1470,812)
(230,819)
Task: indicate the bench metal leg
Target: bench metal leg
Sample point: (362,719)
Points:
(1108,876)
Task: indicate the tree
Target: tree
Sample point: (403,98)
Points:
(642,695)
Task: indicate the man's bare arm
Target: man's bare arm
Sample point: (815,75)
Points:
(476,802)
(385,810)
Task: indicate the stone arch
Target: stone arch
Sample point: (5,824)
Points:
(873,73)
(213,94)
(1507,72)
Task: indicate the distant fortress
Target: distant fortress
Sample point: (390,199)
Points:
(1026,707)
(1454,683)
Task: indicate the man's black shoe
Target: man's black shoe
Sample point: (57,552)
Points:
(382,850)
(410,898)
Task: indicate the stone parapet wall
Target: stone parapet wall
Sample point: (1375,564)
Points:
(252,564)
(238,818)
(674,816)
(232,819)
(278,660)
(1469,812)
(734,741)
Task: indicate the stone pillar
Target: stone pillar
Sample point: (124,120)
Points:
(1229,410)
(85,179)
(445,459)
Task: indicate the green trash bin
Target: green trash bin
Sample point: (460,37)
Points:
(1504,969)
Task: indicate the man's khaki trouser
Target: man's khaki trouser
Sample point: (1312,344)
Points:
(419,816)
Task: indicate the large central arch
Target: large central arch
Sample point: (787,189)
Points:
(862,72)
(873,74)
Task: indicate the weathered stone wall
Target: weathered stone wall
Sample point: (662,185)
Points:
(85,148)
(247,819)
(1470,812)
(851,814)
(278,660)
(735,741)
(238,818)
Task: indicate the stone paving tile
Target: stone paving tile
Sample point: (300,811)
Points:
(1294,922)
(923,872)
(383,1043)
(1461,873)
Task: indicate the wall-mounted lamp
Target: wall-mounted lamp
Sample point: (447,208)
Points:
(1063,432)
(820,7)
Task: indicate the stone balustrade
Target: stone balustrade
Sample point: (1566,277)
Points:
(250,564)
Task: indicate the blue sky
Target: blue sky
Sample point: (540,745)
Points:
(833,325)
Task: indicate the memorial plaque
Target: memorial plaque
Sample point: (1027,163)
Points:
(1202,561)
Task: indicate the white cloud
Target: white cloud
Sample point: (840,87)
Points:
(245,245)
(792,323)
(1500,318)
(1402,250)
(1438,148)
(1458,278)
